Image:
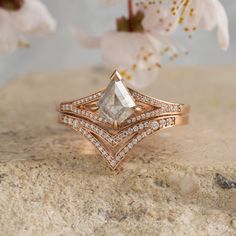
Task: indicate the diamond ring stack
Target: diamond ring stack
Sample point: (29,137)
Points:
(117,118)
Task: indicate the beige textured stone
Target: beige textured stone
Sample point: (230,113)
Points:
(233,222)
(166,187)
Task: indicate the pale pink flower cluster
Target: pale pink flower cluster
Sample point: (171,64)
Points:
(31,18)
(135,53)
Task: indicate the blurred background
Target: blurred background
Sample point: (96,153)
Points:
(61,51)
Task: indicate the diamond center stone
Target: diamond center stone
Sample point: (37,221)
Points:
(116,103)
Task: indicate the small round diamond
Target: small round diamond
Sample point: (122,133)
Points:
(135,128)
(155,125)
(141,126)
(110,140)
(130,145)
(75,123)
(65,120)
(113,163)
(135,141)
(168,122)
(139,137)
(129,121)
(68,107)
(126,149)
(115,140)
(122,154)
(163,122)
(104,153)
(153,113)
(143,116)
(130,130)
(124,134)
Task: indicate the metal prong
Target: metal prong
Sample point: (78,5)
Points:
(115,124)
(138,109)
(116,76)
(94,108)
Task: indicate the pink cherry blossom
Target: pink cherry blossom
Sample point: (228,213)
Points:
(31,18)
(137,49)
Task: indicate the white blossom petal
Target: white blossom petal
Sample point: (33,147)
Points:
(136,54)
(34,18)
(206,14)
(140,79)
(215,16)
(158,18)
(8,37)
(127,49)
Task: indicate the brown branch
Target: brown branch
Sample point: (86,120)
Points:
(130,10)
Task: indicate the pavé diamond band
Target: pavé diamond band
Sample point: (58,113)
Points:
(115,119)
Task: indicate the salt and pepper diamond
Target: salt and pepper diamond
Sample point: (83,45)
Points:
(116,103)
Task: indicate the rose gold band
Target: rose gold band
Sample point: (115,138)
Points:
(164,122)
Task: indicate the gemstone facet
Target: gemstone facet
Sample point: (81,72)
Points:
(116,103)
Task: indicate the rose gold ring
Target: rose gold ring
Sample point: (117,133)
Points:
(117,118)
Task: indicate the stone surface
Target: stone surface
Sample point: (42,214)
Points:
(167,186)
(116,104)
